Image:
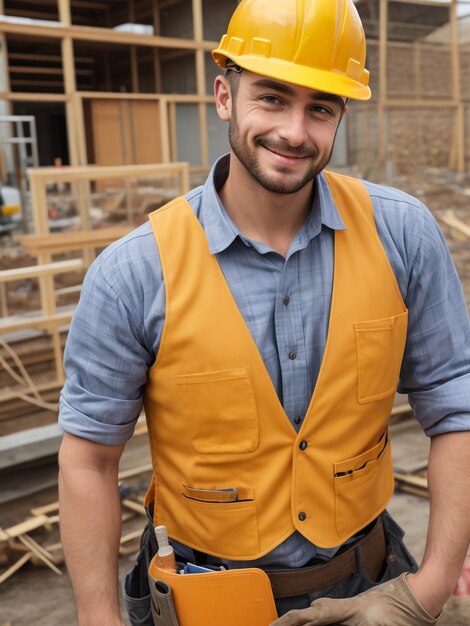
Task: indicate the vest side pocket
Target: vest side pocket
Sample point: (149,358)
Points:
(380,345)
(363,486)
(220,411)
(233,525)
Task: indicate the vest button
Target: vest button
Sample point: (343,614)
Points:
(286,300)
(302,516)
(297,420)
(303,444)
(292,355)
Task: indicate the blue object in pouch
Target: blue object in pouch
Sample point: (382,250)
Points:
(191,568)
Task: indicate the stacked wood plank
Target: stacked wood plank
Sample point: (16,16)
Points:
(35,540)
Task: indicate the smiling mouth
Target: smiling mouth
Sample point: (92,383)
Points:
(287,155)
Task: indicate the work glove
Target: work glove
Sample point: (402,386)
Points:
(389,604)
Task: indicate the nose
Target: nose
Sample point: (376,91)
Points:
(293,129)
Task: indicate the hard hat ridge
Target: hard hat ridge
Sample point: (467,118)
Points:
(318,44)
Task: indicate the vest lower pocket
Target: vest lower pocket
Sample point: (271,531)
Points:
(363,486)
(227,529)
(380,345)
(220,411)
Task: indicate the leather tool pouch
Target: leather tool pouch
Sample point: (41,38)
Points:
(163,609)
(229,597)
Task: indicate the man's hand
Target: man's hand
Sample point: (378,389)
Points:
(389,604)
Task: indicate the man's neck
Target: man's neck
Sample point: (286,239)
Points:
(271,218)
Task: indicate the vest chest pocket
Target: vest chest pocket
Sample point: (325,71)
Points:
(380,345)
(220,411)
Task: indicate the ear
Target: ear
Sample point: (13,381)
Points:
(223,98)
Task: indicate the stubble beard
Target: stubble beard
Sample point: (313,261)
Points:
(281,183)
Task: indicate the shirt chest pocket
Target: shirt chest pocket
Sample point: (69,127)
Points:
(220,411)
(380,345)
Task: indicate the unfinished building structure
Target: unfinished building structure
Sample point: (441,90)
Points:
(130,81)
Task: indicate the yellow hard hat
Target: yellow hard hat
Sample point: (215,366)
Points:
(318,44)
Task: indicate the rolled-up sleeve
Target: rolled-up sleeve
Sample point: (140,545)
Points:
(109,350)
(436,365)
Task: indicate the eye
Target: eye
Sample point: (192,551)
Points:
(271,99)
(321,109)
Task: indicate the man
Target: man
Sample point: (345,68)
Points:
(265,321)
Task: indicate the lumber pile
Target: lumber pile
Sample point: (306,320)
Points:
(414,483)
(36,539)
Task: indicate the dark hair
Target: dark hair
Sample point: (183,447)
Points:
(233,79)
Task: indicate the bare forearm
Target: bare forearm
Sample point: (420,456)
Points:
(449,524)
(90,523)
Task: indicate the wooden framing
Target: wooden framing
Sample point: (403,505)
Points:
(68,33)
(45,245)
(385,103)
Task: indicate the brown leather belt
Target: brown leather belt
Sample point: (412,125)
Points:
(368,554)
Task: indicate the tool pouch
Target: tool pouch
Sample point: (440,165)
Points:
(229,597)
(163,609)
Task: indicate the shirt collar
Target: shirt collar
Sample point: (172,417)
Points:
(221,231)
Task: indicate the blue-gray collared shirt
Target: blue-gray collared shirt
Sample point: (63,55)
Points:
(285,302)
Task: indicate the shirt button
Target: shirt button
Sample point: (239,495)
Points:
(286,300)
(292,355)
(302,516)
(297,420)
(303,444)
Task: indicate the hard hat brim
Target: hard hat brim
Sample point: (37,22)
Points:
(315,79)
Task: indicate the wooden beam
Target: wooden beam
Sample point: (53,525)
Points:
(52,58)
(431,3)
(22,82)
(103,35)
(21,69)
(45,322)
(84,4)
(403,103)
(98,172)
(32,97)
(450,219)
(37,15)
(118,95)
(33,271)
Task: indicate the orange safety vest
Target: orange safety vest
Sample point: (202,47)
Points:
(215,421)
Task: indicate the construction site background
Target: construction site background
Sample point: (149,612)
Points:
(106,113)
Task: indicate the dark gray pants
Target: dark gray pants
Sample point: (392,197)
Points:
(399,560)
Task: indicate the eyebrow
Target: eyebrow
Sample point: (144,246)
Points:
(267,83)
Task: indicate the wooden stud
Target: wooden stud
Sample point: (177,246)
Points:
(172,131)
(156,52)
(3,300)
(164,130)
(383,37)
(459,137)
(453,221)
(15,567)
(39,552)
(64,12)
